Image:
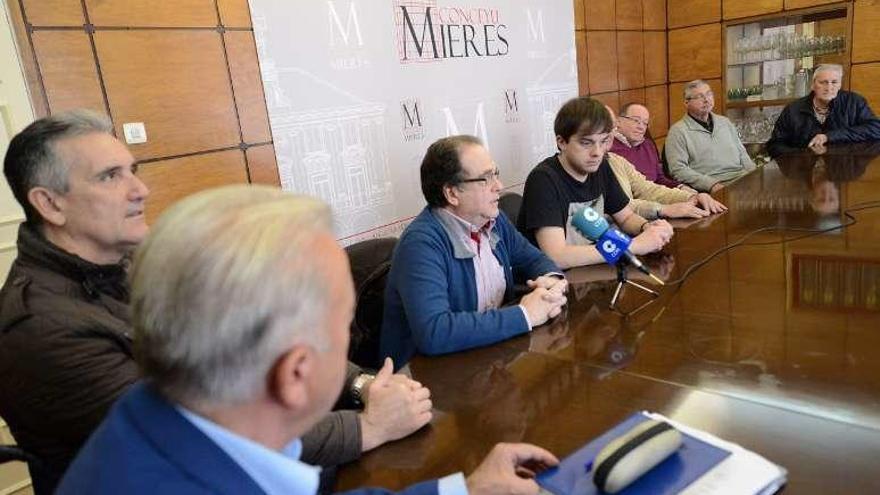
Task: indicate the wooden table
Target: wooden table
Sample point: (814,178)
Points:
(773,345)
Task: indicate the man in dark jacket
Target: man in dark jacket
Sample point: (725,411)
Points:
(827,115)
(65,333)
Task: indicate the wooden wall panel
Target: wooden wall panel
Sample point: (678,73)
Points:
(737,9)
(235,13)
(599,14)
(611,99)
(149,79)
(580,45)
(695,52)
(262,166)
(249,99)
(171,180)
(655,58)
(53,12)
(865,79)
(693,12)
(159,13)
(579,15)
(866,42)
(28,60)
(799,4)
(631,96)
(631,59)
(676,99)
(69,72)
(602,61)
(657,103)
(654,14)
(629,14)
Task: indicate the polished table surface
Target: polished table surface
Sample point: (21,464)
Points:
(767,334)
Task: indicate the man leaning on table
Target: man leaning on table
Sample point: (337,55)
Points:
(242,355)
(827,115)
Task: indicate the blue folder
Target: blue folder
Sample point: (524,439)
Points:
(674,474)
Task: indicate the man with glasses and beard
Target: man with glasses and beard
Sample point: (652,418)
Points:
(454,267)
(703,149)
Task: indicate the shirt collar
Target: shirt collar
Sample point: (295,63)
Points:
(276,472)
(459,232)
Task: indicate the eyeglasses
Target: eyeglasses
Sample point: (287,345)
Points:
(701,96)
(485,178)
(636,120)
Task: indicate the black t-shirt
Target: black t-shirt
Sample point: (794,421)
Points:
(551,196)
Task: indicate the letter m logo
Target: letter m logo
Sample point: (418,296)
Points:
(411,114)
(344,31)
(536,25)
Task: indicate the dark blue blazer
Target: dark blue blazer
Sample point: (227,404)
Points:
(145,446)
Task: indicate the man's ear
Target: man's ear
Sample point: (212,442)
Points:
(450,192)
(560,143)
(48,204)
(290,377)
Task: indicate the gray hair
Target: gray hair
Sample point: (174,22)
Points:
(223,286)
(827,68)
(32,159)
(691,86)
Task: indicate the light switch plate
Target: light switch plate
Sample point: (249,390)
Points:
(135,132)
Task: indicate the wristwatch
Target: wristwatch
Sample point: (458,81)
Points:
(359,388)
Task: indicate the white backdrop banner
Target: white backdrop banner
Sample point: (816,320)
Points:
(357,90)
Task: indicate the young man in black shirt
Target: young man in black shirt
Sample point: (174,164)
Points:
(579,176)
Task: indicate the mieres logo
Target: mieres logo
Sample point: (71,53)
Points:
(336,27)
(479,124)
(428,33)
(411,115)
(511,106)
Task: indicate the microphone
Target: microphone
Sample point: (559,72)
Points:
(611,243)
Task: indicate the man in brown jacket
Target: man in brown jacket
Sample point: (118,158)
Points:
(65,332)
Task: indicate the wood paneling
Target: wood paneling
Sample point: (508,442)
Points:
(866,82)
(602,61)
(654,14)
(695,52)
(249,99)
(262,166)
(53,12)
(693,12)
(657,103)
(611,99)
(676,99)
(629,14)
(866,43)
(28,61)
(799,4)
(734,9)
(150,79)
(580,45)
(235,13)
(599,14)
(579,15)
(171,180)
(158,13)
(631,59)
(655,57)
(69,72)
(631,96)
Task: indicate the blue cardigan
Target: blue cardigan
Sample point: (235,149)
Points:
(145,446)
(431,296)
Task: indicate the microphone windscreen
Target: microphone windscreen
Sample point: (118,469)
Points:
(589,223)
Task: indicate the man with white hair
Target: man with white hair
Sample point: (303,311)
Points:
(827,115)
(241,302)
(65,331)
(703,149)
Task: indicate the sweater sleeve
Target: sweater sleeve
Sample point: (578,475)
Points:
(648,196)
(336,439)
(424,288)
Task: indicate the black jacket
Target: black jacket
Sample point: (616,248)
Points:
(849,120)
(65,351)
